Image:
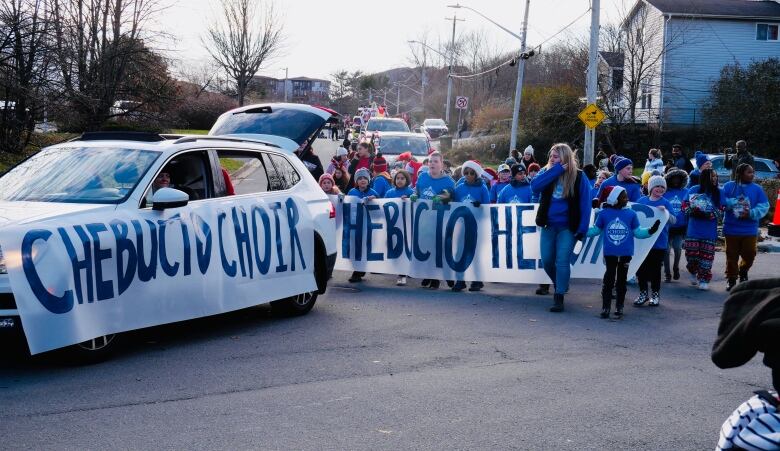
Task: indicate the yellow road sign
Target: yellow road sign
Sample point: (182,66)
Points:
(592,116)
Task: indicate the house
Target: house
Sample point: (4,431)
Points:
(610,78)
(298,89)
(686,44)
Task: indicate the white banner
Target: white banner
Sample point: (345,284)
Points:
(91,274)
(490,243)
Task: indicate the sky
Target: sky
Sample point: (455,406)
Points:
(369,35)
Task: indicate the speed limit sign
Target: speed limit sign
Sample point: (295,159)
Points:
(461,103)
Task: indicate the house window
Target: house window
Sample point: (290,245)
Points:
(646,98)
(766,32)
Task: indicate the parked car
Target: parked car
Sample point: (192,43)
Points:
(434,128)
(765,168)
(392,144)
(113,232)
(383,124)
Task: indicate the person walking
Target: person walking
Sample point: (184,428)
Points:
(704,207)
(473,190)
(624,170)
(649,272)
(363,159)
(563,214)
(680,160)
(402,189)
(311,161)
(676,193)
(746,203)
(655,161)
(741,157)
(363,191)
(702,162)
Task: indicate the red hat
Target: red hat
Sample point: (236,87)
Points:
(605,194)
(380,164)
(431,150)
(406,156)
(534,167)
(492,172)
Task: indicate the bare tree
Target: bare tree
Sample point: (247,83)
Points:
(203,75)
(248,34)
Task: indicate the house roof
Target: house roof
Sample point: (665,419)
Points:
(719,8)
(307,79)
(613,59)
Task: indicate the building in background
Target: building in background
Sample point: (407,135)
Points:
(299,89)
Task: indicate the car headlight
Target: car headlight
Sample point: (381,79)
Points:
(3,269)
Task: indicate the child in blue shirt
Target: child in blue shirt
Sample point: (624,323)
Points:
(474,191)
(519,189)
(362,191)
(618,226)
(676,192)
(504,178)
(650,270)
(746,203)
(704,207)
(401,190)
(624,169)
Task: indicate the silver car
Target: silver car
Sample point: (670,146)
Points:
(764,167)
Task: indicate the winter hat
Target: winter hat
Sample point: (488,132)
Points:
(613,158)
(490,174)
(654,181)
(622,162)
(380,164)
(700,158)
(326,176)
(503,167)
(341,151)
(516,168)
(614,193)
(646,177)
(406,156)
(362,172)
(534,167)
(510,161)
(529,150)
(474,166)
(750,323)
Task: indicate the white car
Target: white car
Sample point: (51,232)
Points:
(378,125)
(393,144)
(434,128)
(115,232)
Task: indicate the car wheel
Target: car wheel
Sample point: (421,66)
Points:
(296,305)
(93,351)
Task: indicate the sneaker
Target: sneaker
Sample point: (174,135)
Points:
(655,299)
(557,306)
(619,313)
(676,275)
(543,290)
(641,299)
(425,283)
(476,286)
(704,285)
(434,284)
(730,284)
(459,286)
(693,279)
(401,281)
(355,278)
(668,278)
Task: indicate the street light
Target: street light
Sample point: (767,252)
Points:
(520,68)
(449,78)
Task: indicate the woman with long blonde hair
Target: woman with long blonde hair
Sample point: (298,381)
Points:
(563,214)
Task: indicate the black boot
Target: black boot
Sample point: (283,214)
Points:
(543,289)
(606,301)
(743,276)
(557,306)
(621,299)
(730,284)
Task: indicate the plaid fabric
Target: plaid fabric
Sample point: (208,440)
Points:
(700,254)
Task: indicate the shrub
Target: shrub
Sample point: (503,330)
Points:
(493,117)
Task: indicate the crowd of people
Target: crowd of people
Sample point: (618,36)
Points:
(567,193)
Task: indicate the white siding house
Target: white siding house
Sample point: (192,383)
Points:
(692,40)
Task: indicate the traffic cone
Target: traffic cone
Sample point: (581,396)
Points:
(774,227)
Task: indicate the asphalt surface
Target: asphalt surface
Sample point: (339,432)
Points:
(375,366)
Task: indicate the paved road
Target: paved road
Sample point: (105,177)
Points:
(375,366)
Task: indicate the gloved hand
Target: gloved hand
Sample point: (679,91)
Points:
(579,236)
(654,228)
(413,198)
(476,203)
(594,203)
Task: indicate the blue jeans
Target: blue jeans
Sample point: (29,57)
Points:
(556,248)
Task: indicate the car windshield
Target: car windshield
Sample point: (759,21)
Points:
(293,124)
(395,145)
(434,123)
(100,175)
(378,125)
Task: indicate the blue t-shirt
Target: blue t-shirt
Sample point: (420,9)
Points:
(743,197)
(558,214)
(633,189)
(380,185)
(676,197)
(395,193)
(703,228)
(428,187)
(617,229)
(362,194)
(663,235)
(517,193)
(496,189)
(472,193)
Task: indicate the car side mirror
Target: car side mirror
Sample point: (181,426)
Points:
(169,198)
(416,129)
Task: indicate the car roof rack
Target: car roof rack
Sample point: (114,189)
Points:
(122,136)
(193,138)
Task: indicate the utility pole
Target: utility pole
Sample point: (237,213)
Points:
(398,102)
(454,20)
(593,54)
(520,74)
(285,83)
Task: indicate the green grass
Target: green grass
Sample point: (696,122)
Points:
(185,131)
(230,164)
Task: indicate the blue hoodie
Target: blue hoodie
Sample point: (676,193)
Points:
(428,187)
(496,189)
(633,189)
(380,185)
(676,197)
(619,228)
(702,228)
(467,192)
(748,196)
(515,193)
(362,194)
(558,214)
(395,193)
(663,235)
